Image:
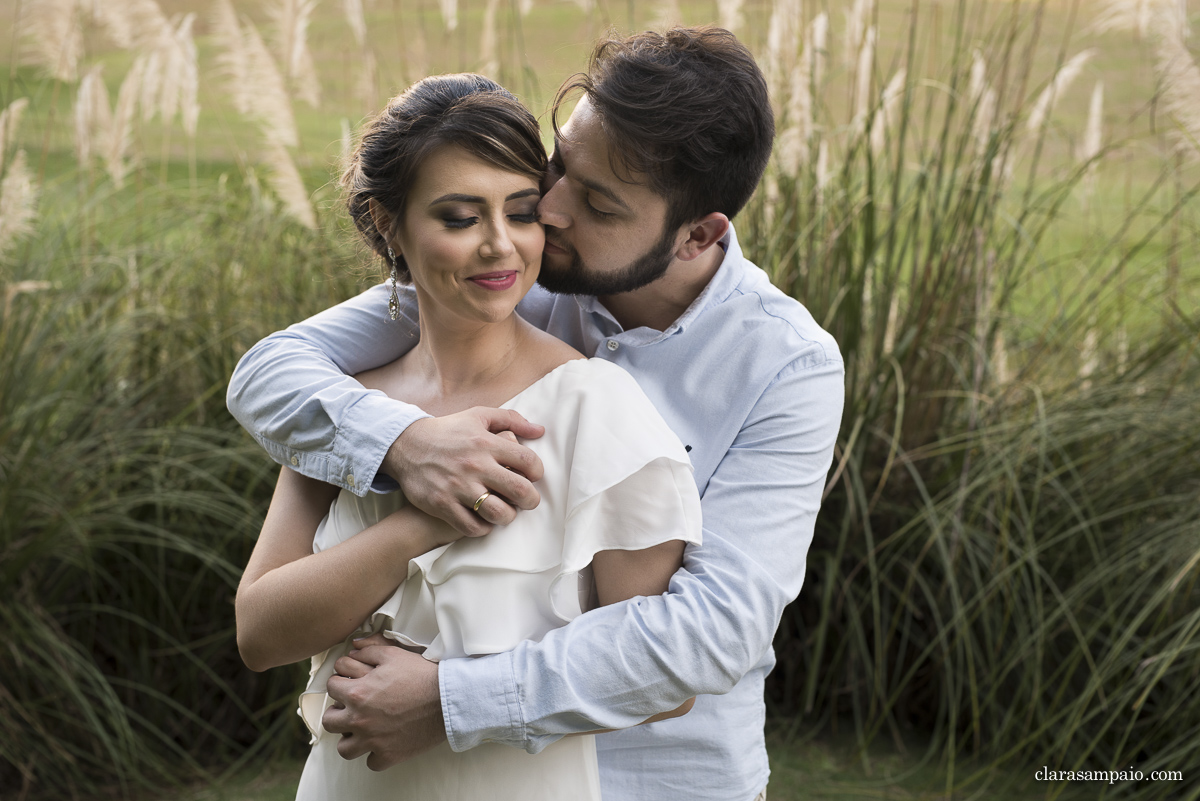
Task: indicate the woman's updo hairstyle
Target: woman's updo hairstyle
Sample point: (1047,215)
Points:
(467,110)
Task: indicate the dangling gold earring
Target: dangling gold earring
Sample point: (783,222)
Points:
(394,300)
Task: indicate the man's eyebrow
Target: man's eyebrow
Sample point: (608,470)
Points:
(455,197)
(593,185)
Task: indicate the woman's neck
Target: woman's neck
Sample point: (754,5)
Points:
(459,357)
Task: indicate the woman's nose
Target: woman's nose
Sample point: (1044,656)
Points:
(498,244)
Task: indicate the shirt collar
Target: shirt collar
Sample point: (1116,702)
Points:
(720,287)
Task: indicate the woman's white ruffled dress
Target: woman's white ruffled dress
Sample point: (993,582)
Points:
(616,478)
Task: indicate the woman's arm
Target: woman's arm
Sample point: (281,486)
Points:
(292,603)
(621,575)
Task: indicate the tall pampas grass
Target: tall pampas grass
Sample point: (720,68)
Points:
(1093,136)
(863,73)
(858,20)
(1125,15)
(729,14)
(1179,78)
(353,9)
(291,20)
(487,41)
(255,83)
(93,118)
(18,202)
(285,181)
(666,14)
(449,10)
(119,139)
(18,191)
(783,34)
(794,140)
(1043,107)
(52,36)
(10,121)
(886,114)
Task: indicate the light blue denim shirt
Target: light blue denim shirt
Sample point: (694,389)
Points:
(752,385)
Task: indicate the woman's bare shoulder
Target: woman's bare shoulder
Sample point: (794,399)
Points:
(549,351)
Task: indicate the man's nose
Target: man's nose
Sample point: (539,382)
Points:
(551,208)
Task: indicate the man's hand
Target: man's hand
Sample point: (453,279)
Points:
(388,705)
(444,464)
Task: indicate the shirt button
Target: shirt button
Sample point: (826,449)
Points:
(295,460)
(613,344)
(350,480)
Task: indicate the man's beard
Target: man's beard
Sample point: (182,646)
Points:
(577,279)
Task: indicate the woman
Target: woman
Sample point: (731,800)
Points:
(445,185)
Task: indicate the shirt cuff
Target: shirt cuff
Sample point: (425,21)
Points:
(481,702)
(363,438)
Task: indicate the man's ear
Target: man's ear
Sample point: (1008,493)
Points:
(702,235)
(381,218)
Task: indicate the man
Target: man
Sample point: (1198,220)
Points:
(666,144)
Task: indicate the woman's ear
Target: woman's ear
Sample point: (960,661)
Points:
(381,218)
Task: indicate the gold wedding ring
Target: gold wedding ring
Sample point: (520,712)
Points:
(479,502)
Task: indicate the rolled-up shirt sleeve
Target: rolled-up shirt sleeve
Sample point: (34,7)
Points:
(293,391)
(615,666)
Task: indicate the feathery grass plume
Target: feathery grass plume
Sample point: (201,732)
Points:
(232,59)
(291,19)
(782,36)
(487,41)
(1089,359)
(525,7)
(823,173)
(10,120)
(1043,107)
(729,14)
(189,83)
(666,14)
(346,142)
(53,37)
(978,80)
(858,19)
(263,91)
(353,9)
(180,79)
(285,179)
(981,125)
(999,361)
(120,133)
(1179,78)
(794,140)
(93,119)
(1125,15)
(18,202)
(449,13)
(886,113)
(1093,135)
(862,82)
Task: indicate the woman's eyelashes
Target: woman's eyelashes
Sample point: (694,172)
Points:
(524,218)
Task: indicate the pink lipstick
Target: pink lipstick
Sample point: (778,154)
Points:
(497,281)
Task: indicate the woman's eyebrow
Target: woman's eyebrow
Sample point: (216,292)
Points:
(455,197)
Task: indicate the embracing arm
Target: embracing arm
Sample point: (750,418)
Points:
(720,615)
(293,392)
(293,603)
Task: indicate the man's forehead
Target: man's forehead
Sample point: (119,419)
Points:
(592,158)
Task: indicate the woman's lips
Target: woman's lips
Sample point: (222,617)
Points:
(496,282)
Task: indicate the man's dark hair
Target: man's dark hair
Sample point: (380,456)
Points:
(689,109)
